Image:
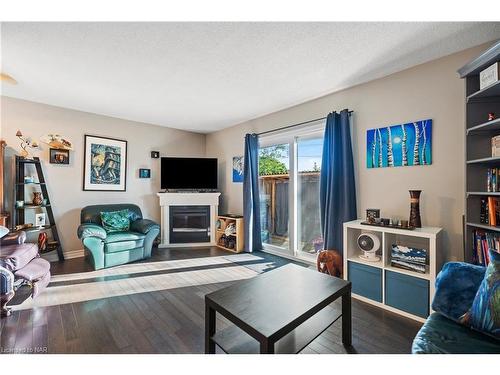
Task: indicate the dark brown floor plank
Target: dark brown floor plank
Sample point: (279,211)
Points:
(9,332)
(24,335)
(165,326)
(71,331)
(56,342)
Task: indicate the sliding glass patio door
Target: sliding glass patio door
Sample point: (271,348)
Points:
(289,168)
(274,178)
(309,151)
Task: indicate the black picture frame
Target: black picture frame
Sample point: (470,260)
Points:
(88,184)
(155,154)
(58,156)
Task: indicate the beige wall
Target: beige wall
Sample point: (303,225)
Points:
(65,182)
(432,90)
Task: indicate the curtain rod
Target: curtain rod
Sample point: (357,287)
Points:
(294,125)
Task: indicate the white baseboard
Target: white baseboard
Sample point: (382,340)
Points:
(71,254)
(80,253)
(194,244)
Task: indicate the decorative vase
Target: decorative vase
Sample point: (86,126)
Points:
(37,198)
(415,209)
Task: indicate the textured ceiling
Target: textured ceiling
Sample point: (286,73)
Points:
(207,76)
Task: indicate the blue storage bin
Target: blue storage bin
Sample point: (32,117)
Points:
(366,280)
(407,293)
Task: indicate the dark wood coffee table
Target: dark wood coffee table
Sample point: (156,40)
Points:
(280,311)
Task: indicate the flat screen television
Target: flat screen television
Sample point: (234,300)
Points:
(189,173)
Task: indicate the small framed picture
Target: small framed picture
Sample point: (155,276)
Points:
(58,156)
(144,173)
(372,214)
(155,154)
(237,168)
(39,220)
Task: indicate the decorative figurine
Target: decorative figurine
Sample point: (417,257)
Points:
(491,116)
(37,198)
(329,262)
(58,142)
(26,144)
(23,226)
(415,209)
(42,242)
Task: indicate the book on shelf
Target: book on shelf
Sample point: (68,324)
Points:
(484,215)
(495,146)
(482,242)
(493,211)
(493,180)
(409,258)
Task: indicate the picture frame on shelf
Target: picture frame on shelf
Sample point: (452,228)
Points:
(372,214)
(40,220)
(58,156)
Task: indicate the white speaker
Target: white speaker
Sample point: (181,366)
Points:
(369,243)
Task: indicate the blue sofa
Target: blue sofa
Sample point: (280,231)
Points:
(456,287)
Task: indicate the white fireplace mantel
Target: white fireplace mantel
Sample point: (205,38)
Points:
(187,199)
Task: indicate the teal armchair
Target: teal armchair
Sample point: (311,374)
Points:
(111,249)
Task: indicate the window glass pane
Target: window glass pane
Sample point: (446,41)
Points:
(309,151)
(274,167)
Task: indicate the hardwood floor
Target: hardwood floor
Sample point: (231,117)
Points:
(157,306)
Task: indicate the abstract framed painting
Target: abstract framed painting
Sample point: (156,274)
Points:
(400,145)
(104,164)
(237,168)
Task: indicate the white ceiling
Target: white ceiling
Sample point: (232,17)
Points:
(207,76)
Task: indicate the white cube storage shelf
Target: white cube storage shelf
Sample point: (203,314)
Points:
(405,292)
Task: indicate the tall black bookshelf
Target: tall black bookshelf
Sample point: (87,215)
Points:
(478,133)
(18,213)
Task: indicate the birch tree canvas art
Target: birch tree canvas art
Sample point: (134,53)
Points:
(400,145)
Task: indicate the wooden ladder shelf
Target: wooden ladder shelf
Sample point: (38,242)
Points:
(19,195)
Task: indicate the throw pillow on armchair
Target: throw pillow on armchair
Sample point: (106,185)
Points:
(484,314)
(115,221)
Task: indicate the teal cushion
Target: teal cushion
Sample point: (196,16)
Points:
(484,314)
(123,241)
(440,335)
(115,221)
